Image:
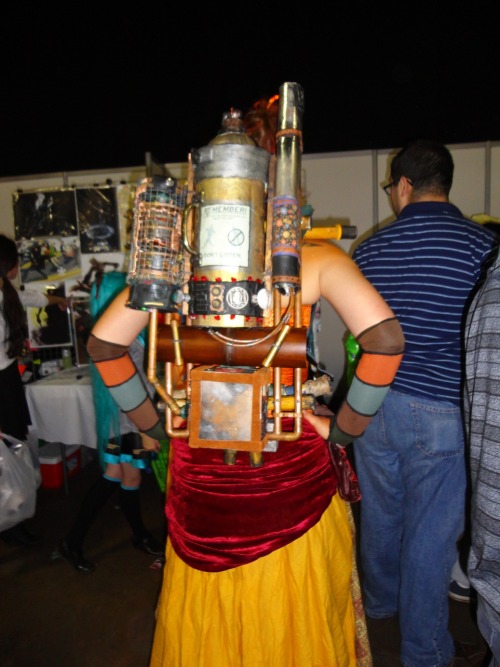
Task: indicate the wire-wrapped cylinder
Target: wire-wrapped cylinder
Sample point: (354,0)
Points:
(156,267)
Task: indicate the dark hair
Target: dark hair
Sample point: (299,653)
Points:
(12,309)
(427,164)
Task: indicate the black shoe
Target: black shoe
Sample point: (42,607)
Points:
(149,545)
(468,655)
(76,559)
(21,535)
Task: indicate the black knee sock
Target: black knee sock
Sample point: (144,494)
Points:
(94,500)
(131,506)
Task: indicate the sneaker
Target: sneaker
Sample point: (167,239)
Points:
(459,593)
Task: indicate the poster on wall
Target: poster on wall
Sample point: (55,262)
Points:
(98,220)
(44,213)
(50,326)
(49,258)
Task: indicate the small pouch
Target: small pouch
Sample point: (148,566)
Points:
(347,481)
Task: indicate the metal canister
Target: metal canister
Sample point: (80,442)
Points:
(230,183)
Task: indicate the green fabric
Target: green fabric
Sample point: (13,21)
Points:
(353,350)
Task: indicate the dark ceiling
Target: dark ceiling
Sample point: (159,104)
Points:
(97,90)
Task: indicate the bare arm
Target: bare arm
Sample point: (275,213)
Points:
(328,272)
(119,324)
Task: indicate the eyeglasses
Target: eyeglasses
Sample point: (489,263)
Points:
(388,187)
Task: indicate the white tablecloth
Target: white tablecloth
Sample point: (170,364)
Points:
(62,408)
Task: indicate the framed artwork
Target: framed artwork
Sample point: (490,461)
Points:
(45,213)
(49,258)
(50,326)
(98,220)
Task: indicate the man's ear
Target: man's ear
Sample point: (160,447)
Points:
(405,185)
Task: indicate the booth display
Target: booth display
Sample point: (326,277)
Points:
(62,408)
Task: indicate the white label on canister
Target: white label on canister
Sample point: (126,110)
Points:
(224,235)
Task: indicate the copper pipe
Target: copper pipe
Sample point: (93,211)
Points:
(199,347)
(153,334)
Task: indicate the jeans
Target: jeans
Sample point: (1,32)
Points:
(411,468)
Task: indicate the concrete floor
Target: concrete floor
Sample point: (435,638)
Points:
(52,616)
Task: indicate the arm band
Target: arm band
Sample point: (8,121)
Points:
(122,378)
(382,347)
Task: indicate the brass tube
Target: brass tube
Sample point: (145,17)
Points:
(276,346)
(177,343)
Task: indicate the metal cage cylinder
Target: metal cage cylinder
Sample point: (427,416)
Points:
(156,267)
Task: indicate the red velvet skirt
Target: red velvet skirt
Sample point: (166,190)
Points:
(222,516)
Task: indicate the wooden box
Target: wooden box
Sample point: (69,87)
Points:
(229,407)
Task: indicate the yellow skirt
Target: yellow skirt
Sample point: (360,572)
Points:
(299,606)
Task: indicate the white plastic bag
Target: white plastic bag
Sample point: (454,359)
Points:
(18,483)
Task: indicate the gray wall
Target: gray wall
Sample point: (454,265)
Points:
(342,187)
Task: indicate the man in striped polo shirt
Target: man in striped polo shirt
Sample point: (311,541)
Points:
(410,460)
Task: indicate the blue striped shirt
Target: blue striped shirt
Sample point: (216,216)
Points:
(426,265)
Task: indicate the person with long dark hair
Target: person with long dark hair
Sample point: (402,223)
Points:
(14,412)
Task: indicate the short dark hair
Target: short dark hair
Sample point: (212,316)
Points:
(427,164)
